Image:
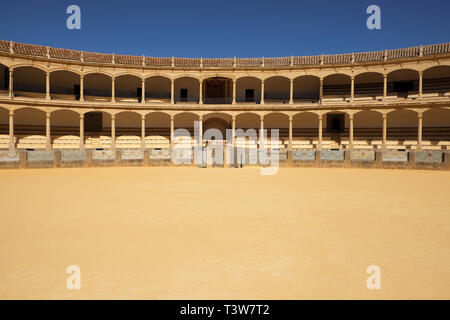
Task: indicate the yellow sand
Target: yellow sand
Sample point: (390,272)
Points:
(189,233)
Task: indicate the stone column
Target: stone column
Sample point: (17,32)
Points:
(420,83)
(47,86)
(113,131)
(200,130)
(143,91)
(11,85)
(419,131)
(47,131)
(291,92)
(384,86)
(200,92)
(11,130)
(81,88)
(234,91)
(384,130)
(320,132)
(81,131)
(233,129)
(352,90)
(171,130)
(290,132)
(172,90)
(321,91)
(113,89)
(351,131)
(143,132)
(262,92)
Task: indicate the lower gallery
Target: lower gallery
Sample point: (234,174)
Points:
(158,232)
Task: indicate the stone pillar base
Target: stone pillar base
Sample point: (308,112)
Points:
(318,159)
(57,159)
(22,159)
(88,158)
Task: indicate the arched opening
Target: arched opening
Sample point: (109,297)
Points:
(436,124)
(368,126)
(184,134)
(4,80)
(336,87)
(29,82)
(4,128)
(277,90)
(185,120)
(247,130)
(402,83)
(304,130)
(306,89)
(186,90)
(157,130)
(29,128)
(65,129)
(97,130)
(336,128)
(128,88)
(157,89)
(436,81)
(369,86)
(97,86)
(128,130)
(217,120)
(248,90)
(64,85)
(402,125)
(217,90)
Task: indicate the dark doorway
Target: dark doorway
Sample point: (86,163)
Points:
(404,86)
(76,91)
(139,94)
(93,122)
(336,123)
(249,95)
(183,94)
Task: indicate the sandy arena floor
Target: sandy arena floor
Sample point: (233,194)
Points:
(189,233)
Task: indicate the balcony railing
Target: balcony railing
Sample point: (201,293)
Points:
(217,100)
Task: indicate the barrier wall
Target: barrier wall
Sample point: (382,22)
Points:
(434,159)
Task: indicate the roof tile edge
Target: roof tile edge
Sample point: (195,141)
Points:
(14,48)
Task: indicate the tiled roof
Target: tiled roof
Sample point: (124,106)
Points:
(161,62)
(187,62)
(30,49)
(4,46)
(65,54)
(91,57)
(216,63)
(125,59)
(248,62)
(97,57)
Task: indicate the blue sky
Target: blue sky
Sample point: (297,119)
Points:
(226,28)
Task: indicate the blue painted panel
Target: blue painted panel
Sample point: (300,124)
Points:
(362,155)
(73,155)
(159,154)
(103,155)
(431,156)
(395,156)
(40,155)
(132,154)
(332,155)
(304,155)
(9,156)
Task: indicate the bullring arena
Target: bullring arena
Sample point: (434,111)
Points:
(144,228)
